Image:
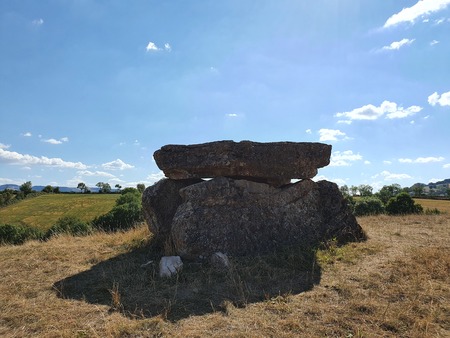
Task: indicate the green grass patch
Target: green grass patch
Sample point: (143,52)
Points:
(44,211)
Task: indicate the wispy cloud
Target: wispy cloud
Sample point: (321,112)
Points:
(388,176)
(38,22)
(421,160)
(419,10)
(117,165)
(371,112)
(55,141)
(95,173)
(27,134)
(446,166)
(434,42)
(396,45)
(25,159)
(332,135)
(152,47)
(308,131)
(4,146)
(344,158)
(442,100)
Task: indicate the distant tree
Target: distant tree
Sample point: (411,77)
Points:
(104,187)
(82,187)
(365,190)
(388,191)
(417,190)
(48,189)
(118,187)
(141,187)
(56,190)
(354,190)
(26,188)
(448,193)
(403,204)
(345,191)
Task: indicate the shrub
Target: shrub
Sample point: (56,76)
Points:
(69,225)
(125,215)
(18,234)
(368,206)
(434,211)
(403,204)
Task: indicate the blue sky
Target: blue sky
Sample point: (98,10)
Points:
(90,89)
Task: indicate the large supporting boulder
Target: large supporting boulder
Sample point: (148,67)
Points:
(159,204)
(275,163)
(240,217)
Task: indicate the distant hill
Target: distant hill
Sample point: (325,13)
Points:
(446,181)
(40,187)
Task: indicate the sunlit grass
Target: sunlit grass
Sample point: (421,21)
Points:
(43,211)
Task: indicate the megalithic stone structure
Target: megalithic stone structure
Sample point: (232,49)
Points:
(249,206)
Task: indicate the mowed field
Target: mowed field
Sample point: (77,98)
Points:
(395,284)
(43,211)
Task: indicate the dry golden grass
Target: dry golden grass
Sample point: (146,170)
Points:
(396,284)
(441,205)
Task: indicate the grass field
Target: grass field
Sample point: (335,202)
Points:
(396,284)
(43,211)
(441,205)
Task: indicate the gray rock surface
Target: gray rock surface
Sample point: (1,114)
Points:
(159,204)
(240,217)
(275,163)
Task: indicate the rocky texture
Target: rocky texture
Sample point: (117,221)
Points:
(275,163)
(240,217)
(159,204)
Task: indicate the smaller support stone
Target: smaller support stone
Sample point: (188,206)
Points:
(169,266)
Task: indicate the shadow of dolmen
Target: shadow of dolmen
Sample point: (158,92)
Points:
(124,284)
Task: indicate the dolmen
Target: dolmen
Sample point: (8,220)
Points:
(236,198)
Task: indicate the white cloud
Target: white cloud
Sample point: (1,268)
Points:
(54,141)
(38,22)
(25,159)
(442,100)
(308,131)
(231,115)
(344,158)
(155,177)
(396,45)
(331,135)
(421,160)
(152,47)
(95,173)
(387,162)
(446,166)
(438,22)
(4,146)
(9,181)
(371,112)
(434,42)
(388,176)
(367,162)
(419,10)
(401,113)
(117,165)
(27,134)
